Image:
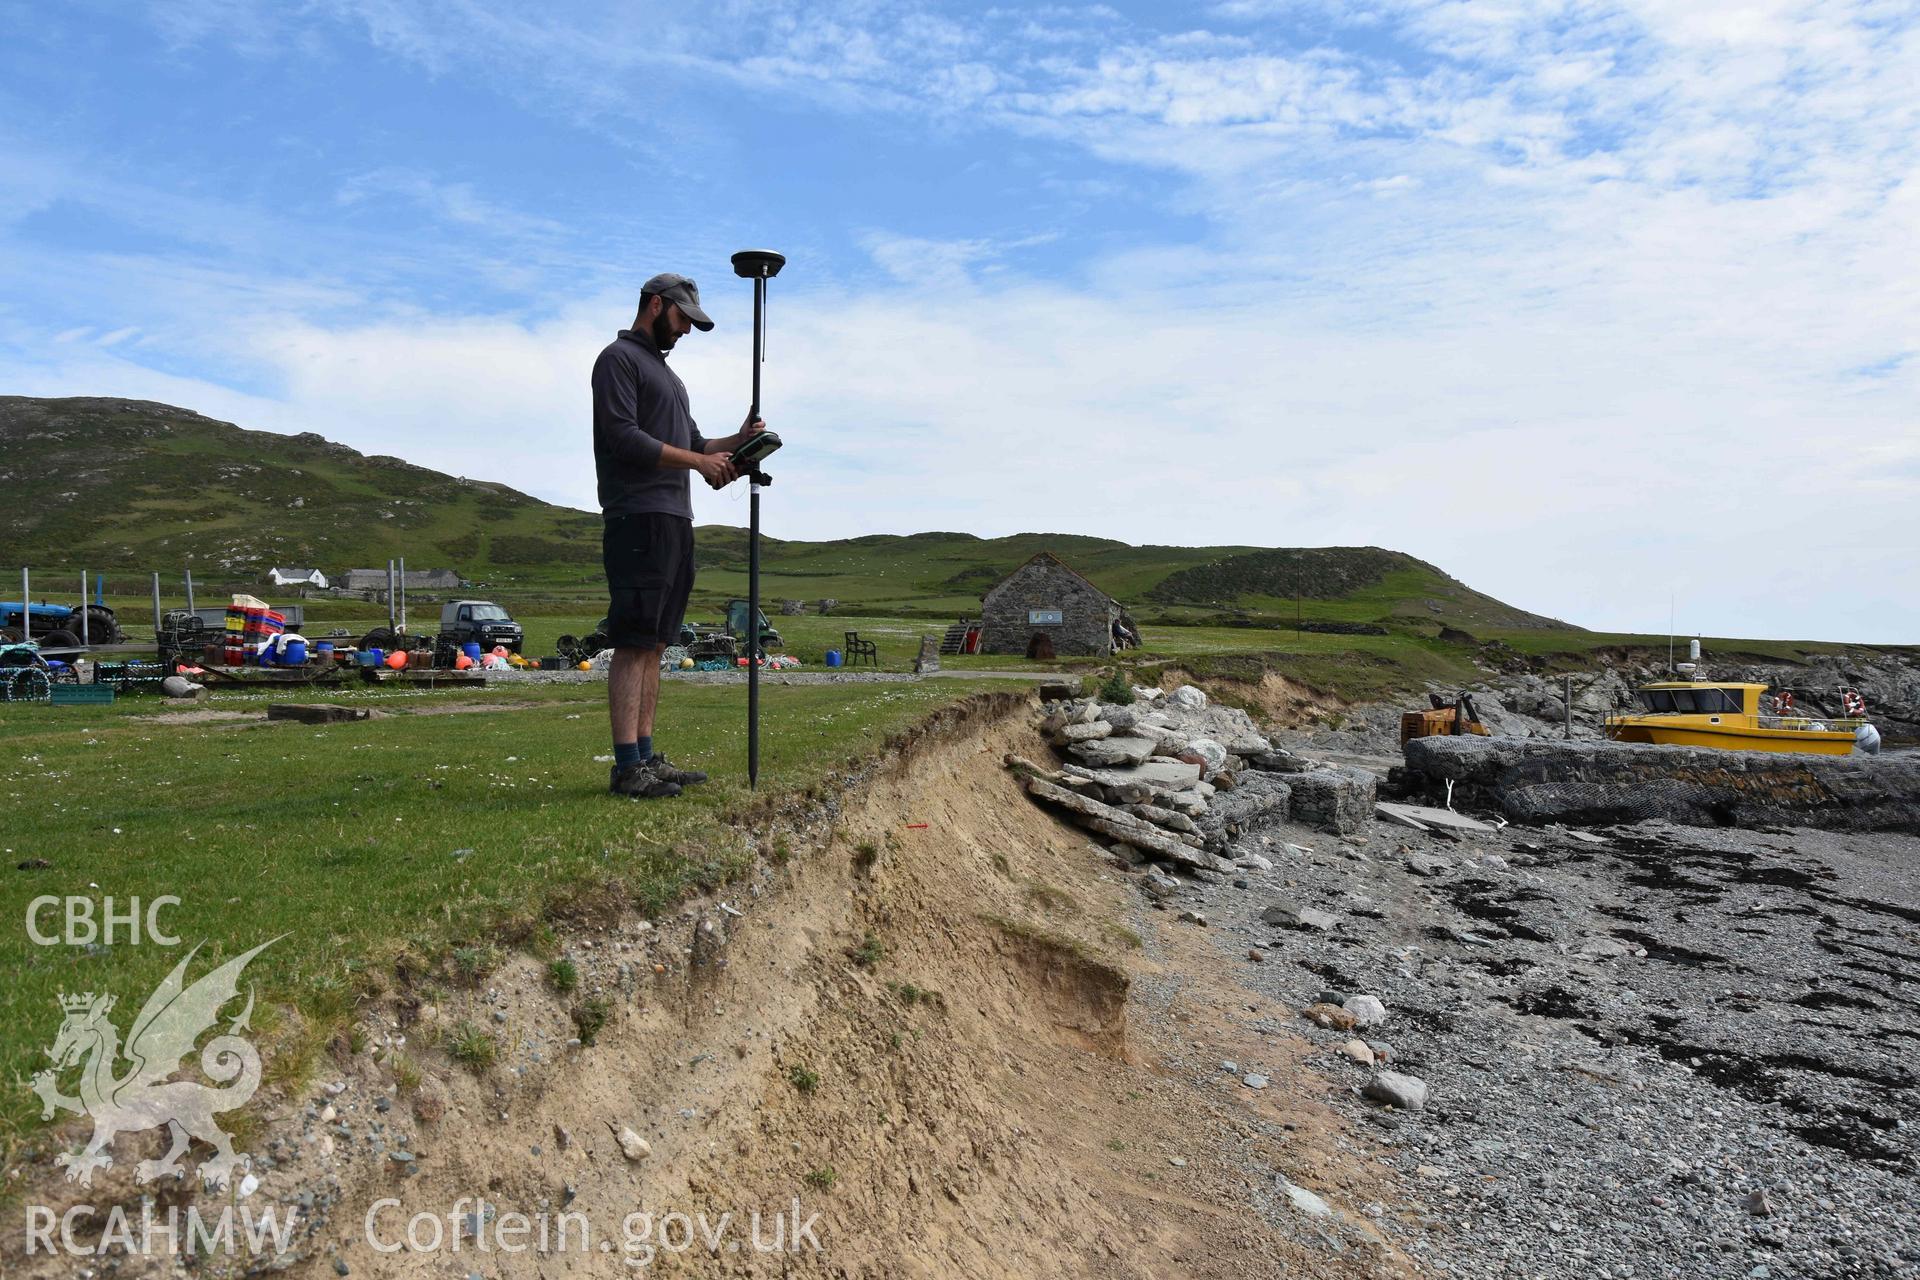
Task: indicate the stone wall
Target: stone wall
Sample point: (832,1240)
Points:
(1536,780)
(1086,625)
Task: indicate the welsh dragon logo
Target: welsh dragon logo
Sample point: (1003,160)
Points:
(143,1097)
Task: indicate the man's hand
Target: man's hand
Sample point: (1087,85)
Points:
(751,426)
(716,469)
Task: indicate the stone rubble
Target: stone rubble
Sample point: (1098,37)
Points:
(1178,781)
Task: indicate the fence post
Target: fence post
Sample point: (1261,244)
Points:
(156,605)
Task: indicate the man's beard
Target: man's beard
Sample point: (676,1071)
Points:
(663,335)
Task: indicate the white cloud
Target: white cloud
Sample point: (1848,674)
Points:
(1580,468)
(1642,293)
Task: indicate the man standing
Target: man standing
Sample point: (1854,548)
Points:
(644,445)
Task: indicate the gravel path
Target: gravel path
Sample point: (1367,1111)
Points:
(1669,1052)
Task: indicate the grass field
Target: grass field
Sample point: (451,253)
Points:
(438,836)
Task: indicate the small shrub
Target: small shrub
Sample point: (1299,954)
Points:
(590,1017)
(406,1073)
(869,953)
(472,1046)
(563,975)
(782,852)
(475,963)
(805,1079)
(1117,689)
(865,854)
(823,1178)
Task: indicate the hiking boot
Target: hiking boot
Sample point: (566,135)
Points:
(667,769)
(638,782)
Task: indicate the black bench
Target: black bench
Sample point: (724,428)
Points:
(857,649)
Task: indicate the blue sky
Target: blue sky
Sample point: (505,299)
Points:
(1638,277)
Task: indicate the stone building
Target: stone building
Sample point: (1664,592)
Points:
(1044,598)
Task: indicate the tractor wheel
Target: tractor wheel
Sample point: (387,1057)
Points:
(378,638)
(101,628)
(60,639)
(566,646)
(595,643)
(9,636)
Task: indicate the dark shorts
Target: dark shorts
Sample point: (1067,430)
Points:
(649,562)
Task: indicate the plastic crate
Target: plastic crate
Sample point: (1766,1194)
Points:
(81,695)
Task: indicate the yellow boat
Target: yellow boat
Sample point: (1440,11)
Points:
(1731,716)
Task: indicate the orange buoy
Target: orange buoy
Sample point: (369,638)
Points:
(397,659)
(462,662)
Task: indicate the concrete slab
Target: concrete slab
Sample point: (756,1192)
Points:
(1391,814)
(1425,816)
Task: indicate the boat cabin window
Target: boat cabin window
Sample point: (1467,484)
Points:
(1705,699)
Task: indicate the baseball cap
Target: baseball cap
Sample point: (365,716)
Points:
(681,291)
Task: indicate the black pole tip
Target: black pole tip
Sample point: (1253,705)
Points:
(763,264)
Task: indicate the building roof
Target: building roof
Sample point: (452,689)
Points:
(1048,557)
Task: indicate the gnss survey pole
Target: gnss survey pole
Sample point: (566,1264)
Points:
(759,266)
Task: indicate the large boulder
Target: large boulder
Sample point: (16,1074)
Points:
(1188,698)
(1258,797)
(1117,751)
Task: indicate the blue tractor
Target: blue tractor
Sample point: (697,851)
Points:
(58,626)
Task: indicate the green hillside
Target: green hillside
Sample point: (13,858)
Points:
(129,486)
